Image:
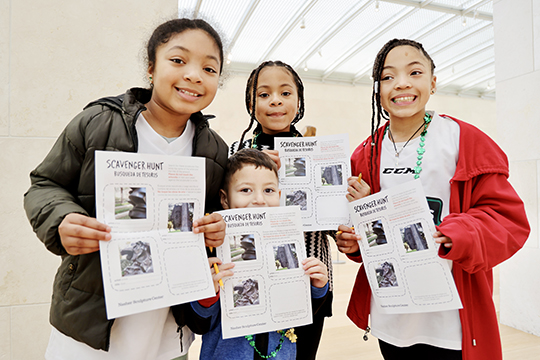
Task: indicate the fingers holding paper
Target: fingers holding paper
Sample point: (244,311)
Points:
(443,240)
(317,271)
(213,226)
(357,189)
(81,234)
(224,270)
(347,240)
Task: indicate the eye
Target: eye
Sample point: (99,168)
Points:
(178,61)
(286,93)
(386,77)
(263,95)
(416,72)
(210,70)
(269,190)
(245,190)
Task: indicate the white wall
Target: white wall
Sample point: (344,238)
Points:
(517,55)
(57,56)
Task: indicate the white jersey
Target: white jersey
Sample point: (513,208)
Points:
(443,328)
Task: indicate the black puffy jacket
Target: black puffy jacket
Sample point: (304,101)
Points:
(64,183)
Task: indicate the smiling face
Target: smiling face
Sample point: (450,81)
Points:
(406,83)
(185,75)
(277,100)
(251,187)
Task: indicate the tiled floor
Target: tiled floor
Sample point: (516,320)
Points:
(343,340)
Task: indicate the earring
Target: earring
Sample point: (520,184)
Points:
(150,78)
(432,91)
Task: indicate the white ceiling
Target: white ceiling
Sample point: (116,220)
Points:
(336,41)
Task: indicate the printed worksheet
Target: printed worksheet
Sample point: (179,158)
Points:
(269,290)
(313,175)
(153,260)
(399,254)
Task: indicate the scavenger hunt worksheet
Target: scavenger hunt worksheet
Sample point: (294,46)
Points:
(399,254)
(153,259)
(269,290)
(313,175)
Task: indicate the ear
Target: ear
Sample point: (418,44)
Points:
(223,198)
(433,84)
(150,71)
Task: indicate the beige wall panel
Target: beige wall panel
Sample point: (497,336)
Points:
(517,113)
(229,109)
(5,333)
(480,113)
(536,34)
(520,291)
(65,54)
(30,331)
(513,25)
(26,267)
(4,66)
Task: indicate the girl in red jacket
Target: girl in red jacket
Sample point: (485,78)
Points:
(480,219)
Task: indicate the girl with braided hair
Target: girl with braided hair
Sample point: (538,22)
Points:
(275,102)
(480,219)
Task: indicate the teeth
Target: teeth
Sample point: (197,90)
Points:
(404,99)
(189,93)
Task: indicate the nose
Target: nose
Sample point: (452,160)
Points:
(402,82)
(192,74)
(276,100)
(258,198)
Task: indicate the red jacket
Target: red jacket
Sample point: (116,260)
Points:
(487,224)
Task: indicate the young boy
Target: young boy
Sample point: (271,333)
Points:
(251,180)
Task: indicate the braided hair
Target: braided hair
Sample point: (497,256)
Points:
(251,94)
(377,112)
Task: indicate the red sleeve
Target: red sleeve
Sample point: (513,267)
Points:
(356,257)
(210,301)
(492,230)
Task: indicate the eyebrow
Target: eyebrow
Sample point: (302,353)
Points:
(212,57)
(409,64)
(282,85)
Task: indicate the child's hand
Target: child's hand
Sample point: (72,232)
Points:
(443,240)
(357,189)
(81,234)
(317,271)
(347,240)
(274,155)
(224,271)
(213,226)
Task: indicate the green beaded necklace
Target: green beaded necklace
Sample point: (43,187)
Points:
(273,354)
(421,150)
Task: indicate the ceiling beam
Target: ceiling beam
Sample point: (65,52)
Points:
(458,38)
(366,40)
(242,23)
(480,66)
(428,30)
(418,35)
(197,9)
(469,12)
(287,28)
(332,31)
(466,55)
(474,83)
